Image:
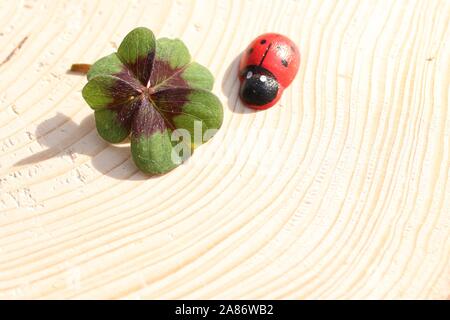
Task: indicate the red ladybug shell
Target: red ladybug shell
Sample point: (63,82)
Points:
(278,55)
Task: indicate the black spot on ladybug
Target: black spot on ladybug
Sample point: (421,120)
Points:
(250,51)
(278,48)
(284,62)
(263,41)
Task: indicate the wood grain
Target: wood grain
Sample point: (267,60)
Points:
(341,191)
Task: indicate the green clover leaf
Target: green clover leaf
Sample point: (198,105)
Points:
(151,89)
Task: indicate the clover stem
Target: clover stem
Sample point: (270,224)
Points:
(81,68)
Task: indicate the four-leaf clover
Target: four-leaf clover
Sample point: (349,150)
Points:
(151,88)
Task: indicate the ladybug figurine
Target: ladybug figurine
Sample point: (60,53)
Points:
(267,67)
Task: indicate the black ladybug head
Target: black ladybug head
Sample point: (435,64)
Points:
(259,86)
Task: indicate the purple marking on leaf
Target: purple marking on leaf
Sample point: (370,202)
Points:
(171,101)
(121,92)
(126,111)
(126,75)
(147,120)
(163,76)
(142,68)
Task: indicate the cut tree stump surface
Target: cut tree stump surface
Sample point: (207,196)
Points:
(340,191)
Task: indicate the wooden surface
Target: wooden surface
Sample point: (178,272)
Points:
(341,191)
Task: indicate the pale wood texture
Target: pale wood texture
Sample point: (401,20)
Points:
(348,198)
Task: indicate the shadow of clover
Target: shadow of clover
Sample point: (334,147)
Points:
(65,138)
